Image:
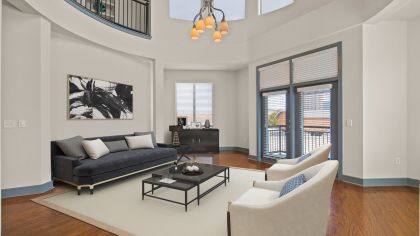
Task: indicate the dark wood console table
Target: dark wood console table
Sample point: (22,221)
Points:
(200,140)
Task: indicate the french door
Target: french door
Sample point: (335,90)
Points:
(276,124)
(295,123)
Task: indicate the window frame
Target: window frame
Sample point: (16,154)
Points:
(194,100)
(260,8)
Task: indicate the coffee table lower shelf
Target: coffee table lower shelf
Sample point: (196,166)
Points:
(181,186)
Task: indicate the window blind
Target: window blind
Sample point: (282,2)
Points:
(203,102)
(316,66)
(194,101)
(275,75)
(185,101)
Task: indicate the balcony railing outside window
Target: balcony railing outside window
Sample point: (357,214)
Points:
(314,137)
(131,15)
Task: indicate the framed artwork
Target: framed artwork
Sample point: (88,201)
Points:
(93,99)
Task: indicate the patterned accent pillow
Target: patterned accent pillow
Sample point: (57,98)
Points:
(292,184)
(303,157)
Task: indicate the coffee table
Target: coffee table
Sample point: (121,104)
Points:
(185,182)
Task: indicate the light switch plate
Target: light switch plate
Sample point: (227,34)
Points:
(22,123)
(8,124)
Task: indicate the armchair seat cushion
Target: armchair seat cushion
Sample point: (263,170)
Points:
(257,196)
(120,160)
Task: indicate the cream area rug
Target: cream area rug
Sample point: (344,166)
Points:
(118,208)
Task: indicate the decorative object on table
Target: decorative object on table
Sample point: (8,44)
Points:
(206,18)
(192,170)
(207,124)
(94,99)
(195,125)
(182,121)
(175,135)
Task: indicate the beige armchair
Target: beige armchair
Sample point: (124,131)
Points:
(303,211)
(288,167)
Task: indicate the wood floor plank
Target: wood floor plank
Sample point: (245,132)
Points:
(354,210)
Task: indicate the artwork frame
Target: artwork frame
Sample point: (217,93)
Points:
(95,99)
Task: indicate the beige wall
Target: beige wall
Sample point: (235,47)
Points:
(71,55)
(413,117)
(25,96)
(385,100)
(224,101)
(242,108)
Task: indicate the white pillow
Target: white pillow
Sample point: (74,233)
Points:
(95,148)
(143,141)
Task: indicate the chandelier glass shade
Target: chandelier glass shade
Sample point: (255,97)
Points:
(206,19)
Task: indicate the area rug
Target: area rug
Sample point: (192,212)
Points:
(117,207)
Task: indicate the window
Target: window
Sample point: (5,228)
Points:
(267,6)
(194,101)
(187,9)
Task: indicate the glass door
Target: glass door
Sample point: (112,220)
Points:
(275,122)
(316,118)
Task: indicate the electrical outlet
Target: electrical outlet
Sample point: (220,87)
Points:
(398,161)
(349,122)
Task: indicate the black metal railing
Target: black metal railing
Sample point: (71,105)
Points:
(313,137)
(129,14)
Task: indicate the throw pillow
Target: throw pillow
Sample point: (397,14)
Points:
(303,157)
(292,184)
(144,141)
(117,146)
(95,148)
(72,147)
(146,133)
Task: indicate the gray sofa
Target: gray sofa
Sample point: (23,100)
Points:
(89,172)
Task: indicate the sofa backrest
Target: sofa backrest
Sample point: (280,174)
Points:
(55,149)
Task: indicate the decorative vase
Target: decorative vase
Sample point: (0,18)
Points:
(207,124)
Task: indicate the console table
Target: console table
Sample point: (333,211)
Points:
(200,140)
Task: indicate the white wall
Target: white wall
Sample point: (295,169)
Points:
(413,97)
(1,6)
(224,101)
(242,108)
(25,96)
(71,55)
(385,100)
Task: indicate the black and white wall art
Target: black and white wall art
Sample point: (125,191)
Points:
(98,100)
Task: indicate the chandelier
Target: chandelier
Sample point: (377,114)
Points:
(206,19)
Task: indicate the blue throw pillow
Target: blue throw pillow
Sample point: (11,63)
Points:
(303,157)
(292,183)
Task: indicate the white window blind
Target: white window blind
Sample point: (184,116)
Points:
(275,75)
(203,102)
(316,66)
(194,101)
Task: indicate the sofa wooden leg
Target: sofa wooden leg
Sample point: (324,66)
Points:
(91,190)
(265,176)
(228,224)
(78,190)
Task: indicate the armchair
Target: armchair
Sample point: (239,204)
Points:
(288,167)
(303,211)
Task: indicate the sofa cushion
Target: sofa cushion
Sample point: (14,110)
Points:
(117,146)
(120,160)
(145,133)
(72,147)
(95,148)
(143,141)
(292,184)
(257,196)
(303,157)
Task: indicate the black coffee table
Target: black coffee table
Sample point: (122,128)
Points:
(185,182)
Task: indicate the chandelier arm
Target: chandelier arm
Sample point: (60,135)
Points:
(215,22)
(223,13)
(195,18)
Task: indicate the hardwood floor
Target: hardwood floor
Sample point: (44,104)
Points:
(354,210)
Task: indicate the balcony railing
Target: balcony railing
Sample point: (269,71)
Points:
(132,16)
(313,137)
